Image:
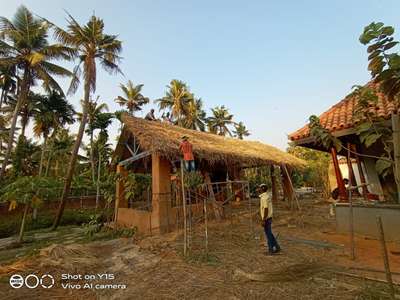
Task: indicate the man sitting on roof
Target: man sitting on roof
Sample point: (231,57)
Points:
(187,150)
(166,118)
(150,116)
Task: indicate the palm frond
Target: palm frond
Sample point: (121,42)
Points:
(75,80)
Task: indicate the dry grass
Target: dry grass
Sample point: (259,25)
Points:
(164,138)
(235,267)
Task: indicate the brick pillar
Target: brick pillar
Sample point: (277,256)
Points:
(161,187)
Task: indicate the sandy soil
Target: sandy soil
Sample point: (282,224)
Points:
(314,263)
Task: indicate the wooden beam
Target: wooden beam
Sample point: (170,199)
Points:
(338,174)
(134,158)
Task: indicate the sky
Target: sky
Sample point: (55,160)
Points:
(272,63)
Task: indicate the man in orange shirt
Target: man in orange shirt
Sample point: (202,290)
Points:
(187,150)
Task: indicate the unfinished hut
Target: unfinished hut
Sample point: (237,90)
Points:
(152,147)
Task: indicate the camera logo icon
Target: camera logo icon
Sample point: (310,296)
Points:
(16,281)
(31,281)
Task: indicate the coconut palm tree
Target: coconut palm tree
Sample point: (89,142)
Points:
(133,99)
(8,83)
(93,46)
(60,148)
(175,100)
(220,120)
(24,157)
(24,46)
(94,110)
(240,131)
(28,110)
(63,111)
(194,115)
(99,148)
(53,112)
(4,132)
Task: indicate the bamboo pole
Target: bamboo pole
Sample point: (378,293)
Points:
(206,224)
(250,212)
(184,210)
(351,215)
(189,237)
(385,256)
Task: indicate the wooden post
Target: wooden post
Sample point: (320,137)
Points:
(396,148)
(161,192)
(362,176)
(205,225)
(184,210)
(217,210)
(352,177)
(351,215)
(290,188)
(286,193)
(385,256)
(338,174)
(274,189)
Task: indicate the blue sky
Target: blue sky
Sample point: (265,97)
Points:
(272,63)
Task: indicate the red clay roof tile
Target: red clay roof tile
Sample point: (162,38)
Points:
(341,116)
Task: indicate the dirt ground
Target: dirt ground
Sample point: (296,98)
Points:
(313,264)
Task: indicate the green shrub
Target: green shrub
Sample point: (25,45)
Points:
(9,225)
(95,231)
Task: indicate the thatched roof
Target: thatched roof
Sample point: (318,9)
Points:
(164,139)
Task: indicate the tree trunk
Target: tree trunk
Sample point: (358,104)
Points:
(42,155)
(396,146)
(35,210)
(98,182)
(20,102)
(92,158)
(46,173)
(23,127)
(3,93)
(74,156)
(22,229)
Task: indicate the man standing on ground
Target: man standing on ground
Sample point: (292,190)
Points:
(187,151)
(266,212)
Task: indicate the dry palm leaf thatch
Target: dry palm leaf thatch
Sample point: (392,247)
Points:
(163,138)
